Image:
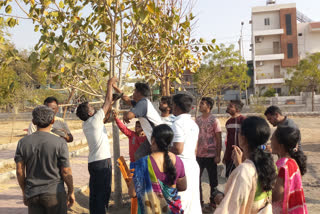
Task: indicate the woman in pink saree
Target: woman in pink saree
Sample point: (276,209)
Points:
(288,195)
(249,186)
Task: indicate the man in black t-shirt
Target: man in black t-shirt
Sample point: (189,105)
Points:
(275,117)
(42,162)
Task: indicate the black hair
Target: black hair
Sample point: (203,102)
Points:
(272,110)
(289,138)
(42,116)
(138,122)
(143,88)
(183,101)
(168,100)
(238,104)
(50,100)
(209,101)
(82,111)
(163,135)
(257,132)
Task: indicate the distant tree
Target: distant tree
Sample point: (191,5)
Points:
(306,75)
(223,69)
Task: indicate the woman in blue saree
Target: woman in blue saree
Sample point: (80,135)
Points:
(158,177)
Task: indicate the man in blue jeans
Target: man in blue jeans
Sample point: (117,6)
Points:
(99,160)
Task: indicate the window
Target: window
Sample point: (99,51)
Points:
(266,21)
(288,24)
(300,34)
(276,70)
(290,50)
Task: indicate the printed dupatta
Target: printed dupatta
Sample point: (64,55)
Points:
(153,195)
(293,197)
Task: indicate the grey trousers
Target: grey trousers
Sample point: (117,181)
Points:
(48,204)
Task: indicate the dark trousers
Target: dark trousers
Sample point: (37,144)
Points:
(48,204)
(211,166)
(143,150)
(229,167)
(99,185)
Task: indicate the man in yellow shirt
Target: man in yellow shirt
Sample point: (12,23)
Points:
(59,126)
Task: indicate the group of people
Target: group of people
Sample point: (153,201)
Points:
(168,154)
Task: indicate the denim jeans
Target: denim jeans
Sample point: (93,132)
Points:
(99,185)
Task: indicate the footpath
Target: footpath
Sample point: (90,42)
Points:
(10,193)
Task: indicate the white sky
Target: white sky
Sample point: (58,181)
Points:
(216,19)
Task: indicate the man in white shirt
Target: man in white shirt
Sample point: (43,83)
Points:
(165,106)
(99,160)
(59,127)
(142,109)
(184,145)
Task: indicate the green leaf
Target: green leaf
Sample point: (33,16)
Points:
(61,4)
(202,40)
(178,80)
(8,9)
(213,41)
(109,2)
(204,48)
(36,28)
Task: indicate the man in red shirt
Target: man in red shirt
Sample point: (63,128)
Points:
(136,138)
(208,148)
(233,126)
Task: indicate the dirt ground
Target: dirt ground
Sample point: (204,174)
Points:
(309,127)
(11,131)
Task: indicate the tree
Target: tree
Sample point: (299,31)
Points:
(164,48)
(223,69)
(82,42)
(306,75)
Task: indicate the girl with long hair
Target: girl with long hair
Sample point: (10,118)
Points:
(158,177)
(288,195)
(248,189)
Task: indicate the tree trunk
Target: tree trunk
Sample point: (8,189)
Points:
(163,86)
(167,86)
(312,99)
(68,101)
(198,100)
(115,129)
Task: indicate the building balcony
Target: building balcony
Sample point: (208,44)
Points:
(266,57)
(268,32)
(270,81)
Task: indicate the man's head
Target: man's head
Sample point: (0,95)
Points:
(138,128)
(84,111)
(42,116)
(181,104)
(274,115)
(234,106)
(52,103)
(141,90)
(165,104)
(206,104)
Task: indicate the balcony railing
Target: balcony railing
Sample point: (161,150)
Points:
(267,51)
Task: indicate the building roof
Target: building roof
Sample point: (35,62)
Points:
(272,7)
(315,25)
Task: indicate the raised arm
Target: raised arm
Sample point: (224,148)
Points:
(108,99)
(125,98)
(121,126)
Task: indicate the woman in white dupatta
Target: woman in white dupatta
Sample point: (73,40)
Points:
(248,189)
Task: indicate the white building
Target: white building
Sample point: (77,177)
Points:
(278,42)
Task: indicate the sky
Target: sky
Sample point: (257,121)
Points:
(220,20)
